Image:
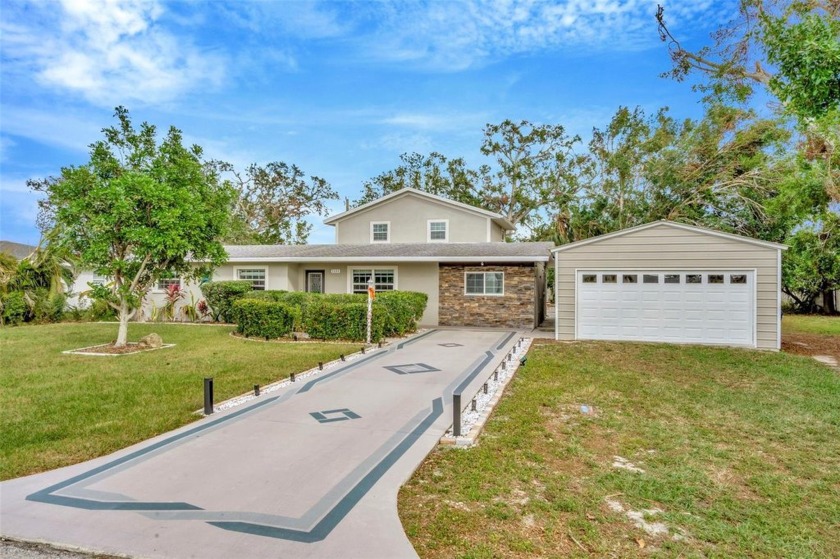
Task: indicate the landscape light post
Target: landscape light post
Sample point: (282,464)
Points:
(371,295)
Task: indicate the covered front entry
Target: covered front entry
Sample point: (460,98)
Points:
(703,306)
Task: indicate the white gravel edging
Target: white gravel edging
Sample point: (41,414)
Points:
(472,422)
(274,386)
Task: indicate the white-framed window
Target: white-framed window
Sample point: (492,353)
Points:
(257,276)
(437,231)
(99,279)
(484,283)
(163,284)
(384,279)
(380,231)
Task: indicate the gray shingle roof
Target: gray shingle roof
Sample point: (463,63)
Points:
(429,252)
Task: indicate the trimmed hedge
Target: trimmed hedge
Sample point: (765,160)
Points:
(405,307)
(221,295)
(263,319)
(327,320)
(344,316)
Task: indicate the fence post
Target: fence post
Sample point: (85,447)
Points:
(208,395)
(456,415)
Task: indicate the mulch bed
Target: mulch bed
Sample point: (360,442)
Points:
(812,344)
(109,349)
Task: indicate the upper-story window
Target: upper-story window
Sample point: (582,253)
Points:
(380,231)
(438,230)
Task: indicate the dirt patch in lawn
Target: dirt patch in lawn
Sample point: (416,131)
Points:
(812,344)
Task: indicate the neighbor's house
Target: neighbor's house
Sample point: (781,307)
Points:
(669,282)
(408,240)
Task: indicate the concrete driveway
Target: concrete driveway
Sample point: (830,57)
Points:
(312,470)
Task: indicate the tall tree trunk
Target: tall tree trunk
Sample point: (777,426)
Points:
(122,332)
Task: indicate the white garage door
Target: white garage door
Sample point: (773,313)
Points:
(710,307)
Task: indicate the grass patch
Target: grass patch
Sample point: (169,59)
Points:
(741,452)
(811,324)
(57,409)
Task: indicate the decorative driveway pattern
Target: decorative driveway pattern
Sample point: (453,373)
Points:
(275,477)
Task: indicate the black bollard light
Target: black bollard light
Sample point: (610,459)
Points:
(292,377)
(320,365)
(485,388)
(473,405)
(256,390)
(208,395)
(342,357)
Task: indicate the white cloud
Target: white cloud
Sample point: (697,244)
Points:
(436,121)
(308,20)
(57,127)
(106,51)
(458,35)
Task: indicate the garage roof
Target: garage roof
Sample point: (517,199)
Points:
(703,230)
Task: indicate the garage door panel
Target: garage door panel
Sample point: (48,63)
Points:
(670,312)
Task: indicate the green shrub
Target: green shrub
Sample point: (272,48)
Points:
(221,295)
(48,307)
(15,309)
(263,319)
(328,320)
(405,308)
(99,309)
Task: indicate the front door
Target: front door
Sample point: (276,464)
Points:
(315,281)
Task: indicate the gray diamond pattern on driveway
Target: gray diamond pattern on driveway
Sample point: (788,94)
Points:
(412,369)
(274,477)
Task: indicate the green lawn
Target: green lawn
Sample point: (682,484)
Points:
(740,450)
(60,409)
(811,324)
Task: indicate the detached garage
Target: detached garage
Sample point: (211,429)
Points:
(669,282)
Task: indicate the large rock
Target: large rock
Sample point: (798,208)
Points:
(150,341)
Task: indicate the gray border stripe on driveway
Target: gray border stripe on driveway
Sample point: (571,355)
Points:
(331,508)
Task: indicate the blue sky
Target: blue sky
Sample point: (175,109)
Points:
(339,88)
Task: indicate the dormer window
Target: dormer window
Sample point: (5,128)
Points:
(380,231)
(438,231)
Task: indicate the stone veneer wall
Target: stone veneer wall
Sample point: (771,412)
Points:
(515,309)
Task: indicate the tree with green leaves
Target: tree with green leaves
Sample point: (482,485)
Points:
(534,165)
(811,267)
(136,211)
(433,173)
(788,49)
(272,202)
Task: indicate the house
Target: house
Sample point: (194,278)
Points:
(408,240)
(413,241)
(670,282)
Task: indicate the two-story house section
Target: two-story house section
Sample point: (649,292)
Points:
(414,216)
(413,241)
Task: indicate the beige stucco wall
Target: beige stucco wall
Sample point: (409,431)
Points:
(668,248)
(408,216)
(277,275)
(419,276)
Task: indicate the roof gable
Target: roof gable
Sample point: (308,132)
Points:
(675,225)
(405,192)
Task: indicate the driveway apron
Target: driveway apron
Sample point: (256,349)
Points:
(311,470)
